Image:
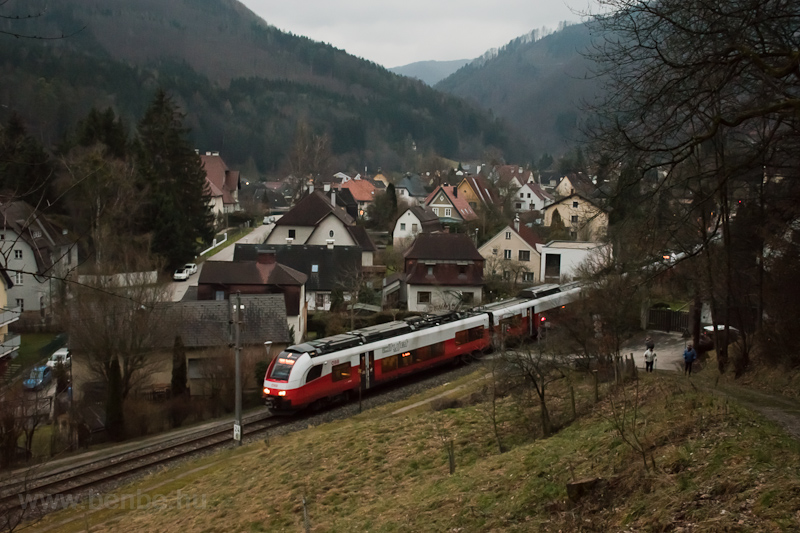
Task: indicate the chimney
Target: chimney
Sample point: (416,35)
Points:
(333,197)
(289,240)
(330,243)
(455,192)
(310,187)
(215,154)
(516,223)
(326,187)
(208,153)
(266,257)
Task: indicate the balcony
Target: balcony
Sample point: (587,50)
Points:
(9,316)
(8,343)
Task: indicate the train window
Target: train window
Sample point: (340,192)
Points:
(437,350)
(340,372)
(388,364)
(462,337)
(314,373)
(283,365)
(405,359)
(422,354)
(475,333)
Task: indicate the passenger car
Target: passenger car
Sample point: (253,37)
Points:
(40,377)
(181,275)
(190,268)
(61,355)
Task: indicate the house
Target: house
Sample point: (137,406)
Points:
(327,268)
(207,331)
(441,271)
(39,256)
(8,343)
(219,280)
(478,192)
(449,206)
(363,192)
(583,218)
(222,184)
(531,197)
(413,221)
(512,254)
(576,184)
(510,177)
(561,259)
(379,177)
(411,189)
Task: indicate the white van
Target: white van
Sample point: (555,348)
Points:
(62,355)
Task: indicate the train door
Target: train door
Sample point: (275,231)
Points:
(367,370)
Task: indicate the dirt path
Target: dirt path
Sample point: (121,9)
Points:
(669,347)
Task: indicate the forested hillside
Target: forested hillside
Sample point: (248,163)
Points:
(538,86)
(244,84)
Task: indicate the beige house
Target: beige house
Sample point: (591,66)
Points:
(584,219)
(8,343)
(512,254)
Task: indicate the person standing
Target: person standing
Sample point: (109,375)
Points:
(689,357)
(649,344)
(649,359)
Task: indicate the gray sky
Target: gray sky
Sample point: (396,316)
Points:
(401,32)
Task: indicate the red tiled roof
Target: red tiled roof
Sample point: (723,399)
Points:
(362,190)
(506,172)
(528,236)
(221,181)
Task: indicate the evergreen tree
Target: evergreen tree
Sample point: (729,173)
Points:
(105,128)
(25,169)
(179,216)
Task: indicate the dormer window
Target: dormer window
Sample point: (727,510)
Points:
(430,271)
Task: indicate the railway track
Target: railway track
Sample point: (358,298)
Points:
(79,479)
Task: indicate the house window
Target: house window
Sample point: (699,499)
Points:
(314,269)
(529,195)
(402,226)
(522,195)
(508,235)
(524,255)
(462,269)
(319,301)
(436,211)
(21,304)
(17,254)
(552,266)
(447,212)
(506,254)
(430,271)
(467,297)
(18,279)
(2,236)
(518,205)
(292,233)
(527,276)
(330,234)
(573,234)
(506,274)
(424,297)
(494,251)
(219,295)
(574,219)
(574,204)
(413,228)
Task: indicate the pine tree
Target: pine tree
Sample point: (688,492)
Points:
(178,368)
(179,216)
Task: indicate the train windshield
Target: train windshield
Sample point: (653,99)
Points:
(283,365)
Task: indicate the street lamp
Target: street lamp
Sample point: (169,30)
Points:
(237,422)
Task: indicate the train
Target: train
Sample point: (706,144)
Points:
(323,371)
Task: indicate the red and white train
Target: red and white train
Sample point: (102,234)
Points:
(319,371)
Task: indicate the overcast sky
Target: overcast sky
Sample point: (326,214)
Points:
(399,32)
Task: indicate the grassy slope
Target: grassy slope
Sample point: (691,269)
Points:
(718,467)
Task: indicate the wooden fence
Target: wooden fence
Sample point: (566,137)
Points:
(668,320)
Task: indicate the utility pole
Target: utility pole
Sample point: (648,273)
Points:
(237,423)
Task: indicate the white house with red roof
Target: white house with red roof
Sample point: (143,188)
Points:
(531,197)
(222,183)
(449,206)
(512,254)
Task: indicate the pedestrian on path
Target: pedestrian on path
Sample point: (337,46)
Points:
(649,344)
(689,357)
(649,359)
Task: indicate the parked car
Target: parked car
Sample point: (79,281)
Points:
(40,377)
(181,275)
(60,356)
(191,268)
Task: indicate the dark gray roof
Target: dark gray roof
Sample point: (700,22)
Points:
(360,235)
(332,264)
(206,323)
(311,210)
(443,246)
(413,183)
(249,273)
